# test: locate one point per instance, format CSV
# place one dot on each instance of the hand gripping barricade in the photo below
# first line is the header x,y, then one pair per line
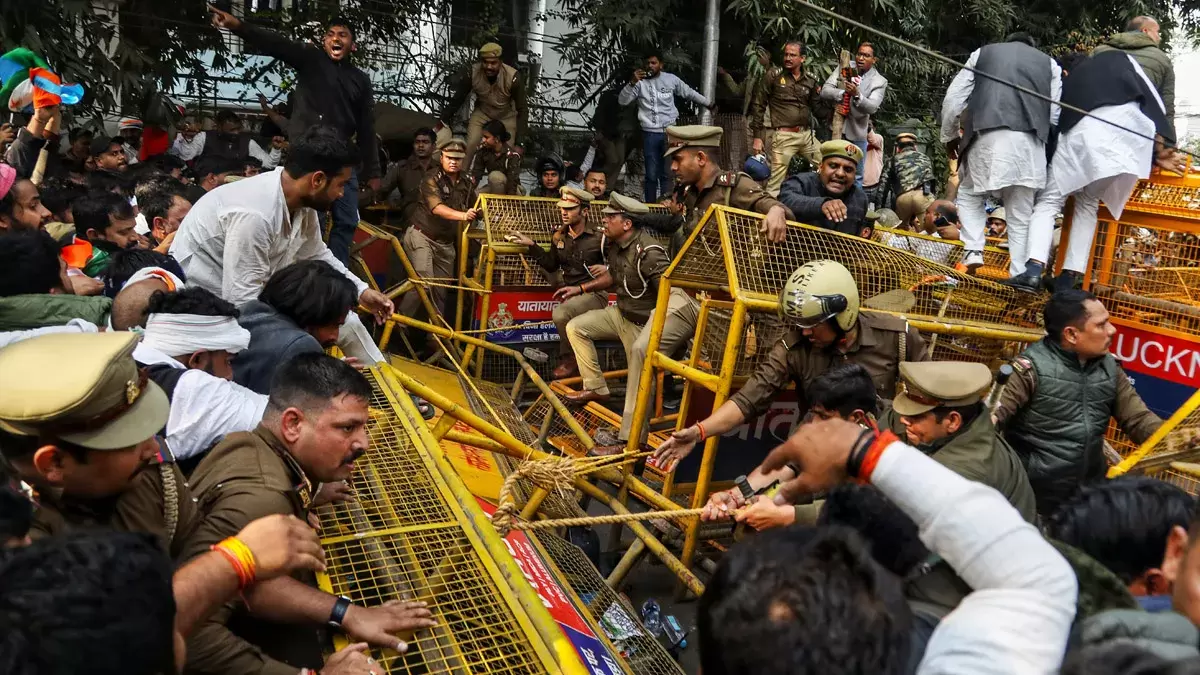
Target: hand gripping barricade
x,y
1145,268
737,277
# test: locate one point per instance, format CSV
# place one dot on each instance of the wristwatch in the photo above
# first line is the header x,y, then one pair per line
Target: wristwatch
x,y
338,615
743,486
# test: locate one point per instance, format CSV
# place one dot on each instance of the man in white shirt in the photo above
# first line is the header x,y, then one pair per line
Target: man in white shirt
x,y
240,234
186,348
777,605
1097,157
655,92
1003,140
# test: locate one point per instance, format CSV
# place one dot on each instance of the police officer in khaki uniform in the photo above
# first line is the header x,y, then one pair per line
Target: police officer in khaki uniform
x,y
692,150
407,175
447,199
791,95
575,251
941,412
636,262
821,300
499,95
313,430
78,422
497,161
102,409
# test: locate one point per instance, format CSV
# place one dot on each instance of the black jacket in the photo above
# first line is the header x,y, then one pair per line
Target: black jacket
x,y
328,92
804,194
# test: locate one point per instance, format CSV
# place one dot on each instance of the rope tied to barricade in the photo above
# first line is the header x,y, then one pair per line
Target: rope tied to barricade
x,y
558,475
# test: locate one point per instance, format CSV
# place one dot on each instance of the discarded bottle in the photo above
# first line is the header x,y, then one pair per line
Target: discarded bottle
x,y
652,618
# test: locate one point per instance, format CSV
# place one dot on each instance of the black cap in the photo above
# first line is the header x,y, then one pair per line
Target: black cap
x,y
100,144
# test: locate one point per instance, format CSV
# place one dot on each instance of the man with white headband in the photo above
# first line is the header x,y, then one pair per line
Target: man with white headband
x,y
190,338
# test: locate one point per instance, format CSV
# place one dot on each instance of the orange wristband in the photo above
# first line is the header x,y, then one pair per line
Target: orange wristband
x,y
703,434
873,454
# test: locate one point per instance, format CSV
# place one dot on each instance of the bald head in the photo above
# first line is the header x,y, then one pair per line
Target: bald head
x,y
129,307
1144,24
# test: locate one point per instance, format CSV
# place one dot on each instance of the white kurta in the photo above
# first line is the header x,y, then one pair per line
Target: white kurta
x,y
998,158
240,234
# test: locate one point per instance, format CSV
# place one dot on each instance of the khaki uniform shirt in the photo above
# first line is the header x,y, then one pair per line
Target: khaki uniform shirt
x,y
636,267
730,188
141,508
406,176
249,475
572,254
436,189
1130,411
793,359
790,99
507,162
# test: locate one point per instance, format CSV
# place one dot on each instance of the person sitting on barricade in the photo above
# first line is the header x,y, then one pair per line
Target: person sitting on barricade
x,y
821,301
575,251
1055,410
636,262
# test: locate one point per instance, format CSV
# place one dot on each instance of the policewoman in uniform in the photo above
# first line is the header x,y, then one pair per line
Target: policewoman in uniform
x,y
821,302
447,197
574,251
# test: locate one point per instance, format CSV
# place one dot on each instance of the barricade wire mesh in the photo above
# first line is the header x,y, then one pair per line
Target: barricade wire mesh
x,y
760,269
400,540
1177,441
943,252
644,654
1150,275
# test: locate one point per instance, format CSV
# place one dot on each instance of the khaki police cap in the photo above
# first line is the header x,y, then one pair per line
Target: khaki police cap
x,y
844,149
692,136
933,384
490,50
455,148
572,197
619,203
83,388
906,136
998,214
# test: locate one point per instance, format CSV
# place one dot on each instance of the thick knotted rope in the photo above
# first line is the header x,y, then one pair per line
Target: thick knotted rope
x,y
554,474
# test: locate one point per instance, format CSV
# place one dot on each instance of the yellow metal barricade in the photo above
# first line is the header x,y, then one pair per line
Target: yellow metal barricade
x,y
727,257
414,532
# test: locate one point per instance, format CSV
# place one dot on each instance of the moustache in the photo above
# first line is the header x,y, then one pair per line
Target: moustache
x,y
353,456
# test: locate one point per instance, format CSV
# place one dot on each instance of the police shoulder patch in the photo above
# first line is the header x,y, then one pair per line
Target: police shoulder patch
x,y
727,179
1022,364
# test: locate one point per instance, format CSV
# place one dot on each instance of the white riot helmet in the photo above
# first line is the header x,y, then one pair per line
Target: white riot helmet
x,y
819,291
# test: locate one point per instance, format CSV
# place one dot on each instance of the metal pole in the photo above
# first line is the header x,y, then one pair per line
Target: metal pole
x,y
708,75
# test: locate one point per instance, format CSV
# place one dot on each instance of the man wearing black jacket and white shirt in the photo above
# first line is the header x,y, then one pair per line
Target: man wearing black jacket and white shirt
x,y
330,91
1094,159
829,197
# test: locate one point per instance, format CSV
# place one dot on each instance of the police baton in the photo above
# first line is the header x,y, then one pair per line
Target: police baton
x,y
993,399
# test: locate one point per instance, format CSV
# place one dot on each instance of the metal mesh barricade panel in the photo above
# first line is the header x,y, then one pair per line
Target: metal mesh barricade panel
x,y
943,252
1178,441
1148,275
941,293
1165,199
761,333
645,656
401,540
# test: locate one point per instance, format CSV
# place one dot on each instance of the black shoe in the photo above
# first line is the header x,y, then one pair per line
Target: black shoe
x,y
1066,281
1024,282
